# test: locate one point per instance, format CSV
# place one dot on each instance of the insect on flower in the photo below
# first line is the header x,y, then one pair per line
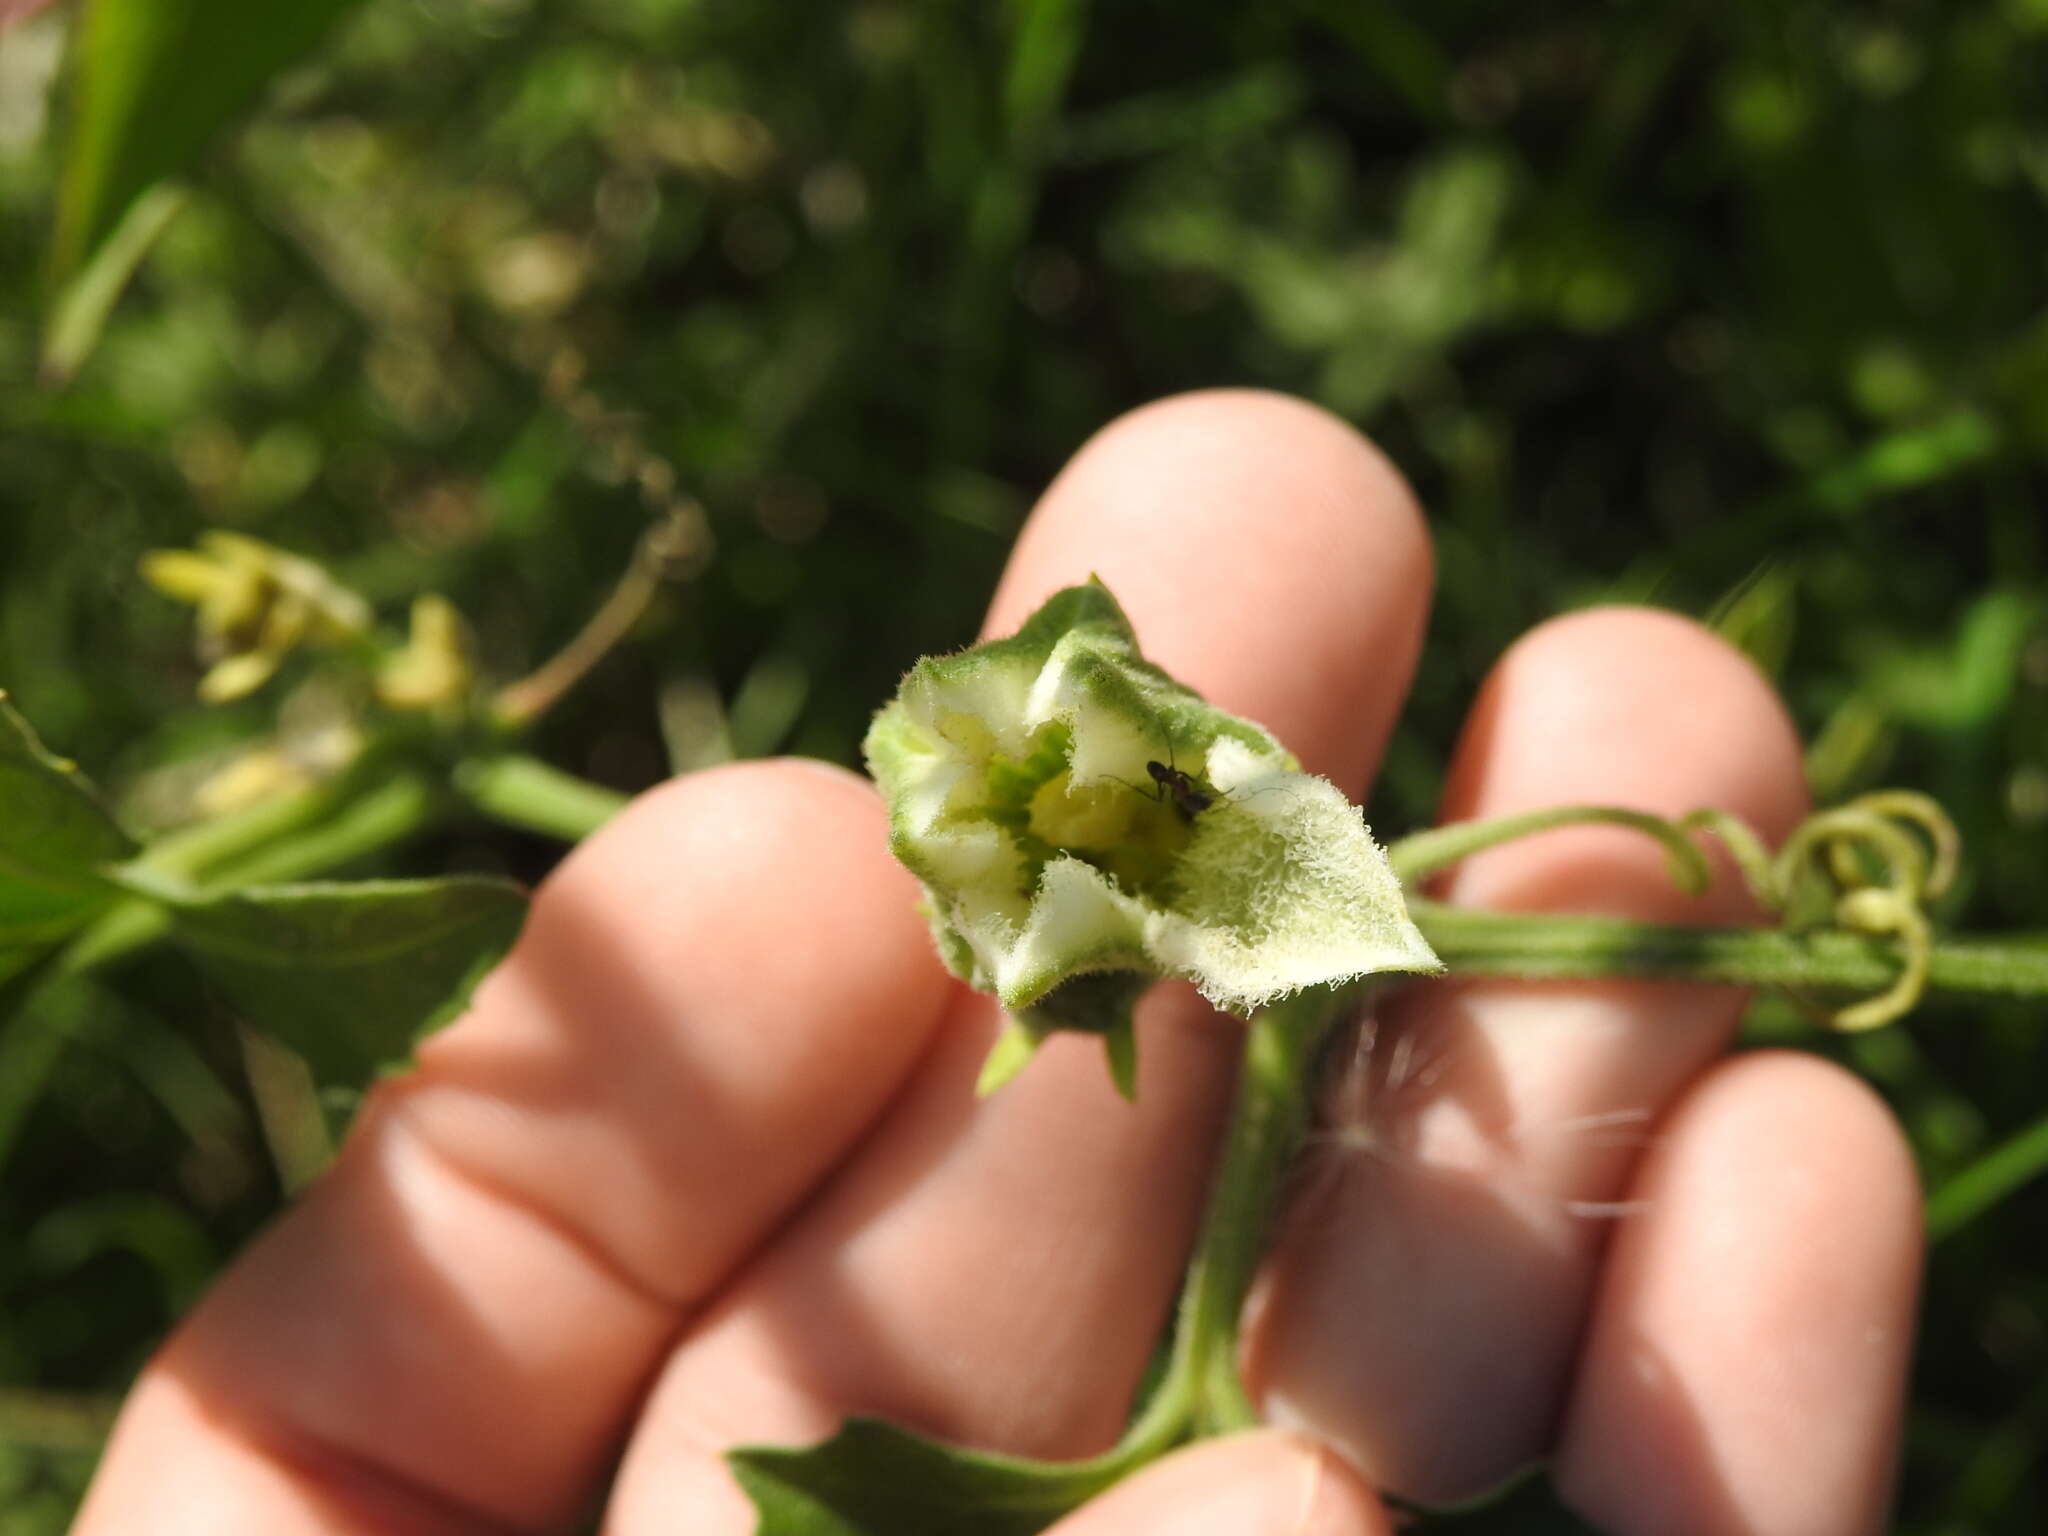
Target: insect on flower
x,y
1188,797
1187,794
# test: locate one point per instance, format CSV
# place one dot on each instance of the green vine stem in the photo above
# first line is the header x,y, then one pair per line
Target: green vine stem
x,y
1200,1394
1849,886
1532,946
290,838
525,792
1266,1128
1545,948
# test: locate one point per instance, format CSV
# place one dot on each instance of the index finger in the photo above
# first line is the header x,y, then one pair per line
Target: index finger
x,y
453,1329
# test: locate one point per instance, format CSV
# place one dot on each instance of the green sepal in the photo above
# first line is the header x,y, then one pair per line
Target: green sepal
x,y
1083,825
1121,1047
1016,1044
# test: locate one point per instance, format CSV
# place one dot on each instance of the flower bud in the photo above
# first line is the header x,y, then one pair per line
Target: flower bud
x,y
256,604
1082,825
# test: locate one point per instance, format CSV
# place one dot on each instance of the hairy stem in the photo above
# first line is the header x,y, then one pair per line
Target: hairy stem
x,y
1201,1390
1544,947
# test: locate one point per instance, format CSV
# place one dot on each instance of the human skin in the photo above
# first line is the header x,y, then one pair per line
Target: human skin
x,y
703,1165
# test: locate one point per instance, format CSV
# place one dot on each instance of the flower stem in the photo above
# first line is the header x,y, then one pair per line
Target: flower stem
x,y
1201,1391
523,791
660,551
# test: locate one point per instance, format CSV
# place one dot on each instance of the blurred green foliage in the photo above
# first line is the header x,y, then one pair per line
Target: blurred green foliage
x,y
1736,308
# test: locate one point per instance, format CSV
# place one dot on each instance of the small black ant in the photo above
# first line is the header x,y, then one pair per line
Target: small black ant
x,y
1188,797
1177,787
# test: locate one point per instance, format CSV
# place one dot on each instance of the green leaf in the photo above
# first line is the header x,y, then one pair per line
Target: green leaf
x,y
1969,681
352,975
1999,1173
154,81
80,310
55,840
873,1479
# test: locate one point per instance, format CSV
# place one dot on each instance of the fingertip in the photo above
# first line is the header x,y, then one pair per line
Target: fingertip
x,y
1745,1370
1336,1500
1629,706
716,825
1207,465
1268,554
1267,1483
757,874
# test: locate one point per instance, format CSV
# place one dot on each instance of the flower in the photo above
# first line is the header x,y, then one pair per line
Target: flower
x,y
256,604
433,671
1082,825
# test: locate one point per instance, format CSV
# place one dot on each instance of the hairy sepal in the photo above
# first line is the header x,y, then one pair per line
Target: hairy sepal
x,y
1072,811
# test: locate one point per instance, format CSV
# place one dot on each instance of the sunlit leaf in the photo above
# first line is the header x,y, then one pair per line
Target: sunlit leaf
x,y
154,81
352,975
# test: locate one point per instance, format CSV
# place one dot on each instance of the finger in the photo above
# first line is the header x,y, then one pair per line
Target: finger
x,y
1247,1485
996,1272
458,1321
1745,1370
1268,556
1427,1298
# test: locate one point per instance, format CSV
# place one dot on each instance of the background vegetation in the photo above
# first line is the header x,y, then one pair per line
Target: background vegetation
x,y
1737,308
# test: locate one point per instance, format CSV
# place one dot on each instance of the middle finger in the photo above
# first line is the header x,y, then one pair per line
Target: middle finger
x,y
996,1273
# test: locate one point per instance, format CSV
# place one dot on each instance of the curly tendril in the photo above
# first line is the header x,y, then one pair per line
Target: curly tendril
x,y
1867,867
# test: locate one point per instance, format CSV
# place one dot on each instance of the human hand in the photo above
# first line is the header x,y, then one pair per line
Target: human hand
x,y
703,1165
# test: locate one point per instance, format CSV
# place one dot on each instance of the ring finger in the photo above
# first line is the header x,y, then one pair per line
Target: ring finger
x,y
1426,1304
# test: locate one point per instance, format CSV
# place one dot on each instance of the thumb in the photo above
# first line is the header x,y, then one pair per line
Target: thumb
x,y
1263,1484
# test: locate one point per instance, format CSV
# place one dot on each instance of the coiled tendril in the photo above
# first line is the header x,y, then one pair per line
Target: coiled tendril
x,y
1867,867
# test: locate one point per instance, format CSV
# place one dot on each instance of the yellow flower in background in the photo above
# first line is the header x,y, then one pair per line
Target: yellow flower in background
x,y
433,671
256,604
